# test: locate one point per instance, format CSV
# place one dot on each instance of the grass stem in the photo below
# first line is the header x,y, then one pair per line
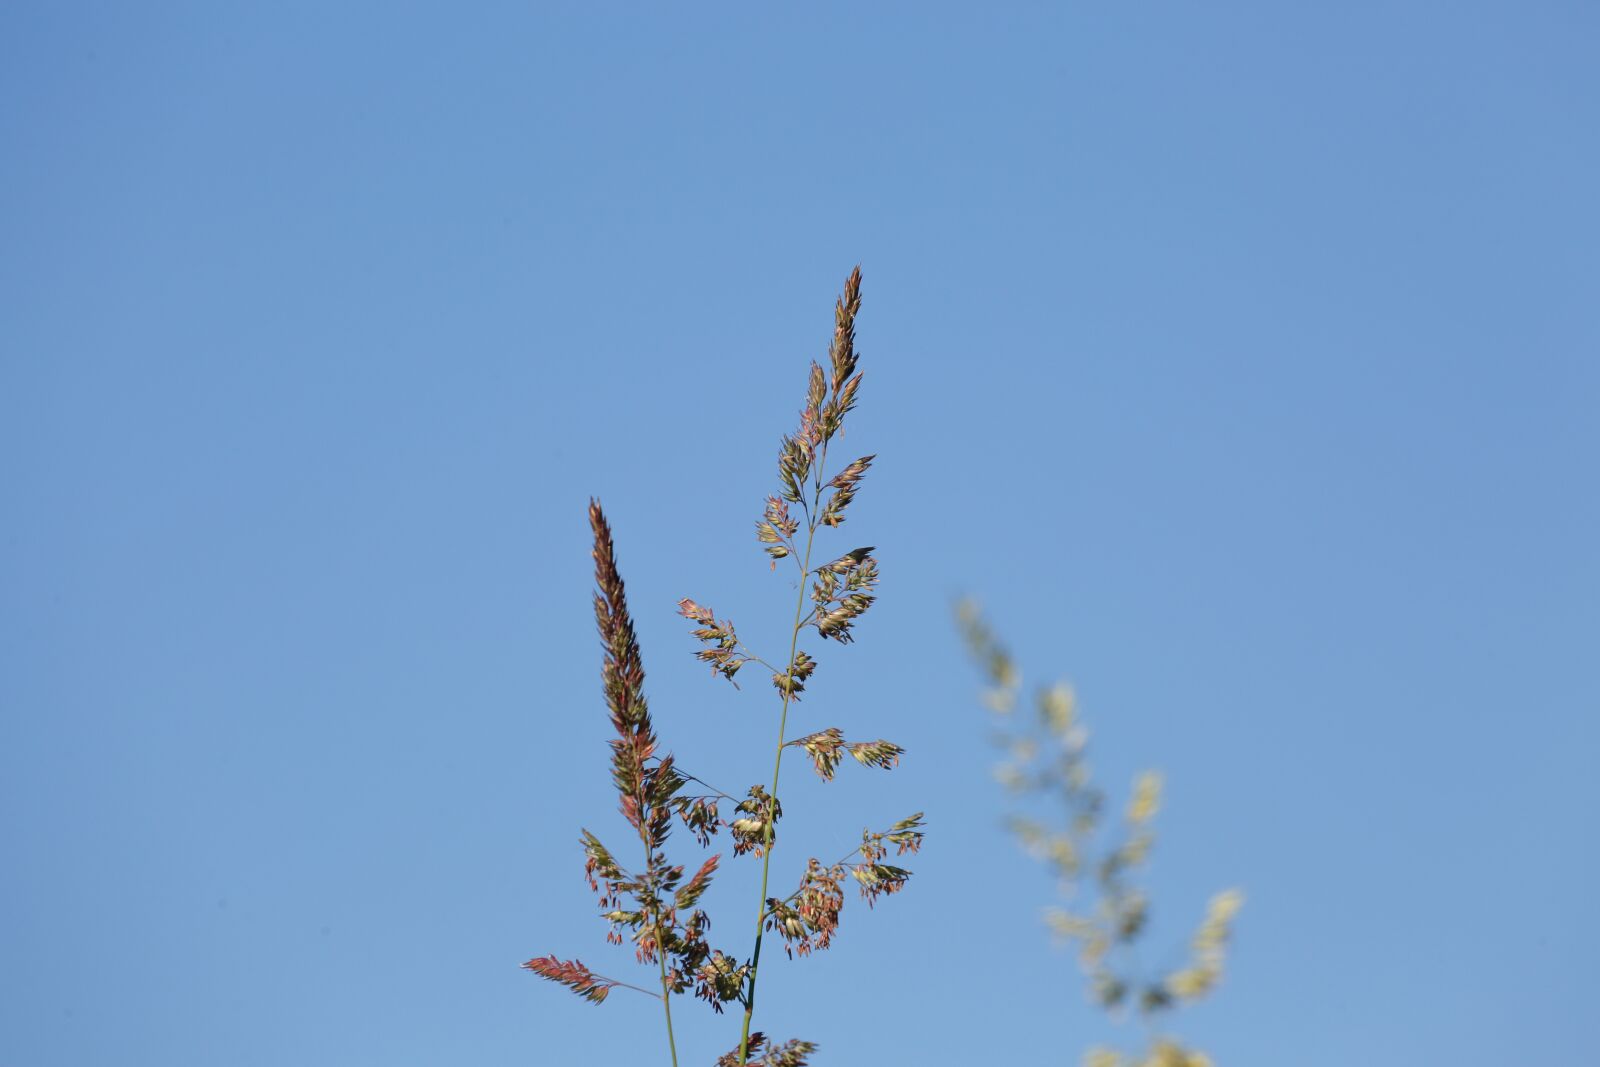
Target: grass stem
x,y
777,767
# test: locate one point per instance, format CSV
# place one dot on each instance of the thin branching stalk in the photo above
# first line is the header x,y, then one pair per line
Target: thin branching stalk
x,y
777,768
666,986
666,1005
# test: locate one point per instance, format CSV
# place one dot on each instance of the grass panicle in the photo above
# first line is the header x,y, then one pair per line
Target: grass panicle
x,y
654,905
1097,859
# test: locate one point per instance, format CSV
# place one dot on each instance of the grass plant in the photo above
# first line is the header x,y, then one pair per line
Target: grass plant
x,y
1098,860
655,905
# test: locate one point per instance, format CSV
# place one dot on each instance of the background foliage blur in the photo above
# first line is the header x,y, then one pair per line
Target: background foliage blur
x,y
1098,860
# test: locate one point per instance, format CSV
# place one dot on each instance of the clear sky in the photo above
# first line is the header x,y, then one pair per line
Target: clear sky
x,y
1242,358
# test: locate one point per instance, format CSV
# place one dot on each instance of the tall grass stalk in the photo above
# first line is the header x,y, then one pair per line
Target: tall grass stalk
x,y
777,762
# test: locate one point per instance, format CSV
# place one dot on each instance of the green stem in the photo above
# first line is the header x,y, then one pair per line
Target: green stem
x,y
777,766
661,948
666,993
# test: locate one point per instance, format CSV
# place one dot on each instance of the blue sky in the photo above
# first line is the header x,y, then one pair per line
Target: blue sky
x,y
1242,360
